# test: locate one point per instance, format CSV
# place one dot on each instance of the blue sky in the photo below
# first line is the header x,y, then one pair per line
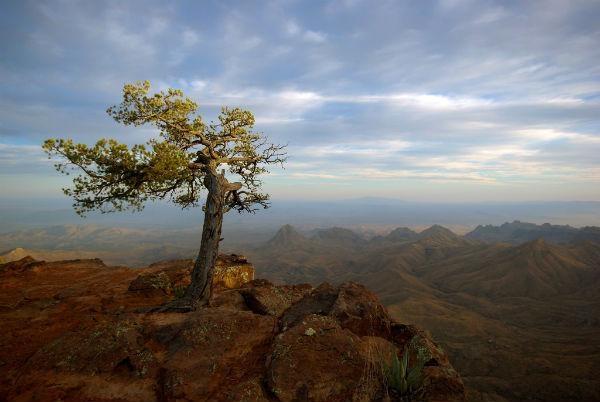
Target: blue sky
x,y
450,100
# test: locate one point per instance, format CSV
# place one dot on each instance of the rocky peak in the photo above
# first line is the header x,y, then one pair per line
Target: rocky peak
x,y
437,230
517,232
401,234
286,236
438,235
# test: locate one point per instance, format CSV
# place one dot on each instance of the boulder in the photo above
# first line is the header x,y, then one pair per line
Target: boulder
x,y
205,352
351,304
262,297
320,301
178,271
316,360
442,382
358,309
151,284
232,271
229,298
83,366
167,277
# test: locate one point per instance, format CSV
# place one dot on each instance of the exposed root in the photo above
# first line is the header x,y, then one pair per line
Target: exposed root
x,y
182,305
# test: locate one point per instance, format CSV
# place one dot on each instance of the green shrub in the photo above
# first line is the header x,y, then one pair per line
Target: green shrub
x,y
403,378
179,291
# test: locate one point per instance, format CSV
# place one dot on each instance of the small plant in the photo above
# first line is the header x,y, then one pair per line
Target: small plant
x,y
179,291
404,379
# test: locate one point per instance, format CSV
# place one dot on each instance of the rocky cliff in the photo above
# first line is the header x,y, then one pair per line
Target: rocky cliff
x,y
77,331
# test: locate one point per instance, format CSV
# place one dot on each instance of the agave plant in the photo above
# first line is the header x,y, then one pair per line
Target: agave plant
x,y
404,379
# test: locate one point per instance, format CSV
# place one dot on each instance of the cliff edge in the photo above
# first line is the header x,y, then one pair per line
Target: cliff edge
x,y
77,331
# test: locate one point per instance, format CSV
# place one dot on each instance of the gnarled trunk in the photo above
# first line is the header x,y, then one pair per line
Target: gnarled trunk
x,y
199,291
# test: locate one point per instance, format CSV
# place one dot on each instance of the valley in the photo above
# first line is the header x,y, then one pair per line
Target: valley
x,y
520,322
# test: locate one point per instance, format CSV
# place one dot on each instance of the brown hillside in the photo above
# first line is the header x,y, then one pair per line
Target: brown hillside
x,y
536,312
535,269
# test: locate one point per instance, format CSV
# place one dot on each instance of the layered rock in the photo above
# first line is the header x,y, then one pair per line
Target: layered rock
x,y
168,277
232,271
74,332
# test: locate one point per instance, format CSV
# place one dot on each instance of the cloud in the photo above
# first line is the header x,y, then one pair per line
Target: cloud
x,y
431,176
294,30
315,176
460,91
550,134
424,100
19,159
314,36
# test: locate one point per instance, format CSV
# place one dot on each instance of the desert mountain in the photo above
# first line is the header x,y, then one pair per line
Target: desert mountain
x,y
518,232
287,237
510,316
398,235
437,235
136,247
338,237
587,233
536,269
401,234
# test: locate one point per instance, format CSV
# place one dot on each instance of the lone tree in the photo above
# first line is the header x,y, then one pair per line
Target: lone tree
x,y
188,155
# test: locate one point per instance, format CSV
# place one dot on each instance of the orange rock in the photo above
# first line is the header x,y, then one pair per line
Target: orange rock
x,y
73,331
232,271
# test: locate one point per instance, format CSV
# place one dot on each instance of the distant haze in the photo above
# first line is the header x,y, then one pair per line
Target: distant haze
x,y
374,215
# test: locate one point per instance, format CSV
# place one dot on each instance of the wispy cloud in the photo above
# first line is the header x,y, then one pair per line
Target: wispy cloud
x,y
294,30
460,92
15,159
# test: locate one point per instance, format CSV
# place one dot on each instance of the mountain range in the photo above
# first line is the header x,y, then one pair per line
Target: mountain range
x,y
518,232
511,316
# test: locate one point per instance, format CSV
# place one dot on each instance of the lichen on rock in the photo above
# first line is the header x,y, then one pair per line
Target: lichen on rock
x,y
232,271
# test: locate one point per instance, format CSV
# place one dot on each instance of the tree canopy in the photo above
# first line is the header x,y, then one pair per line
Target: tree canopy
x,y
115,176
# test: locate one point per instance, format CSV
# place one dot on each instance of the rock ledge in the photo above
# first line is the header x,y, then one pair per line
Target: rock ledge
x,y
75,334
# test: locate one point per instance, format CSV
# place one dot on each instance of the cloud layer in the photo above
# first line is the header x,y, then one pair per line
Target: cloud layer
x,y
452,99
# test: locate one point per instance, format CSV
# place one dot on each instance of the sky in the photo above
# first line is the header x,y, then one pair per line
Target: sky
x,y
449,100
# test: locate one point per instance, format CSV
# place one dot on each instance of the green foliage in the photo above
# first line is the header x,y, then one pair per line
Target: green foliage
x,y
402,377
114,176
395,373
117,176
179,291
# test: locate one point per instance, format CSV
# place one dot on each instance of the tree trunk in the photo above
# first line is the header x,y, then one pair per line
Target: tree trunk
x,y
199,291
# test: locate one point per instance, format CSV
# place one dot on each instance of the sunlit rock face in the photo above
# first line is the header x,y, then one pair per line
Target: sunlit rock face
x,y
232,271
171,277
